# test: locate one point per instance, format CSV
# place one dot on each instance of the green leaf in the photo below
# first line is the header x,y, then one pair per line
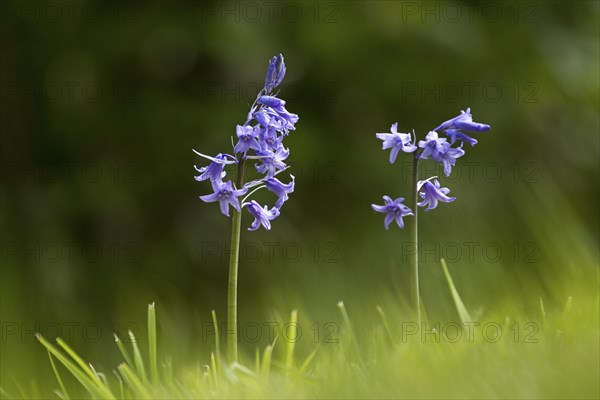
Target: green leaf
x,y
133,382
58,378
460,307
292,338
94,387
137,358
152,347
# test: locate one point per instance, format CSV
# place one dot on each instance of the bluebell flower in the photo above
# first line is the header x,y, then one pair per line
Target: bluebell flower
x,y
439,150
262,215
215,170
462,122
226,195
431,193
396,141
394,210
273,113
271,101
449,157
280,189
269,139
433,146
247,138
271,160
275,73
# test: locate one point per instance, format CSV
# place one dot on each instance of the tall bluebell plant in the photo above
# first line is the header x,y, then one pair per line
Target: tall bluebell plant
x,y
259,140
439,149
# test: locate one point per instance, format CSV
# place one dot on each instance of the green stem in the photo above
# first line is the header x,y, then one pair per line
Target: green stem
x,y
234,258
414,237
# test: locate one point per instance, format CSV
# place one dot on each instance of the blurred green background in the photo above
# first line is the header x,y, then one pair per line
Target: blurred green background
x,y
102,103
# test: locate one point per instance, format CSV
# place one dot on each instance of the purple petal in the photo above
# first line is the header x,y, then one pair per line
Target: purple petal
x,y
209,198
224,205
380,209
394,154
388,220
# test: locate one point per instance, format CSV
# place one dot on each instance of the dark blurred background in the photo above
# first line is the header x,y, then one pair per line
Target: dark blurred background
x,y
102,102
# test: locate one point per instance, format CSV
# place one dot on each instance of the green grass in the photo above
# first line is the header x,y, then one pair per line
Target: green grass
x,y
552,353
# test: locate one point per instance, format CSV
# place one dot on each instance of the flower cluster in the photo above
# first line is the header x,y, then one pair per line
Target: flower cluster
x,y
434,147
259,140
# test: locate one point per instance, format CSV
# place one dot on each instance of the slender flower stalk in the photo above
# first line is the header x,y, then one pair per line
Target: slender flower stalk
x,y
414,238
260,139
441,151
234,259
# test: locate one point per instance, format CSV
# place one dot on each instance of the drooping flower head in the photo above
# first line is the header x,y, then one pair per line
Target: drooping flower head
x,y
226,195
433,146
439,150
280,189
431,193
214,170
262,215
394,210
269,139
271,160
247,138
463,122
396,141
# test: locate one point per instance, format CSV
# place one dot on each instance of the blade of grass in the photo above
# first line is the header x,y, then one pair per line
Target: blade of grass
x,y
85,367
246,377
90,385
137,358
257,360
308,360
217,337
123,350
460,307
133,382
208,374
102,377
60,395
265,367
58,378
543,311
386,325
292,338
121,387
213,363
350,330
152,348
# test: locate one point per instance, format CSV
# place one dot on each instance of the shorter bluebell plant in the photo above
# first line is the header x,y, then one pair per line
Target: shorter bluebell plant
x,y
444,151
